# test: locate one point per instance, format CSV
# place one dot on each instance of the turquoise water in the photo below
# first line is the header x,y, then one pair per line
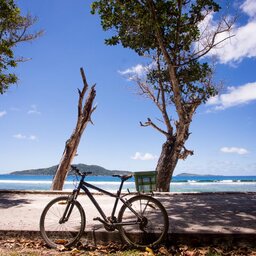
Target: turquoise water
x,y
178,184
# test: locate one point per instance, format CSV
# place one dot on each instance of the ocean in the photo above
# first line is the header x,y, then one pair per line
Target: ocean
x,y
178,184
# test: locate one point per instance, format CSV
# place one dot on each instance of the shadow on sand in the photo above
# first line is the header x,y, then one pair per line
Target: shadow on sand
x,y
210,212
10,200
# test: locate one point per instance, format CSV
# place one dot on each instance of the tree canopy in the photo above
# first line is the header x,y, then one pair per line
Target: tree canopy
x,y
13,30
175,35
168,31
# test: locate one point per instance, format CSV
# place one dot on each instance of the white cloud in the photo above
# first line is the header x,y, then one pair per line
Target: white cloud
x,y
3,113
32,137
33,110
143,157
138,71
234,150
242,44
249,7
235,96
19,136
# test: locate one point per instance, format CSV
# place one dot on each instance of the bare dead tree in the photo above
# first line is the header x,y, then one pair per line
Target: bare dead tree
x,y
85,110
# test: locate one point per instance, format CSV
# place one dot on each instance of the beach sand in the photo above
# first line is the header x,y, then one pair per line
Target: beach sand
x,y
191,215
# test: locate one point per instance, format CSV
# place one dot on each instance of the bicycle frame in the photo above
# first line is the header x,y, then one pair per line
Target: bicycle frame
x,y
141,220
85,185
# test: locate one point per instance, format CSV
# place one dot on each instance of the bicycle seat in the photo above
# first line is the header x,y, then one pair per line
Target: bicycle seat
x,y
122,177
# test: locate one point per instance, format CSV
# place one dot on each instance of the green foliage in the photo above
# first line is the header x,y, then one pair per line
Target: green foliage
x,y
13,30
144,25
95,169
170,33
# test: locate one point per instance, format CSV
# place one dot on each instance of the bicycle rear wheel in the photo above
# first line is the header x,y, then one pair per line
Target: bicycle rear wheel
x,y
56,232
150,228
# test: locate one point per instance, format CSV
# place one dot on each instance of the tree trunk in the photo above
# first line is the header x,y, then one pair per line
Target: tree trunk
x,y
166,165
172,150
84,116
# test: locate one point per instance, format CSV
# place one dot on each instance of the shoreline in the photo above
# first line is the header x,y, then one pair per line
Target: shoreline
x,y
191,184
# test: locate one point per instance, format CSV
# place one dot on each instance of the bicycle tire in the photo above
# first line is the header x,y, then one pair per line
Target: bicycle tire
x,y
156,222
68,233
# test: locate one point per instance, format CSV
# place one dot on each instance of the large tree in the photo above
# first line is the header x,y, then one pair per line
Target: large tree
x,y
14,29
175,35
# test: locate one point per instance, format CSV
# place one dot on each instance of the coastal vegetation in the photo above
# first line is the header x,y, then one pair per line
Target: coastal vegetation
x,y
174,36
95,169
14,29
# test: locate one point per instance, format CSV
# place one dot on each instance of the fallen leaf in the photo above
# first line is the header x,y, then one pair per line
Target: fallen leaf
x,y
60,241
150,251
61,248
75,251
163,251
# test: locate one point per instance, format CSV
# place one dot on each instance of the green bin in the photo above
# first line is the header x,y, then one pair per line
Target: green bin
x,y
145,181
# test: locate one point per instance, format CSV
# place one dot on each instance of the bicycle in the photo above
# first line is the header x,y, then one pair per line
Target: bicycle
x,y
142,220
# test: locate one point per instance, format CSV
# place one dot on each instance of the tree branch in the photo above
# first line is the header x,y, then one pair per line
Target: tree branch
x,y
185,153
87,110
82,93
145,89
173,78
210,39
163,109
150,123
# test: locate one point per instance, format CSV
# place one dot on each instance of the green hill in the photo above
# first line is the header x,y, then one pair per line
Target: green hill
x,y
95,169
187,174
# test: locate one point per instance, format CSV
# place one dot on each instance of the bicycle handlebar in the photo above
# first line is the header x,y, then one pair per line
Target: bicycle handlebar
x,y
122,177
74,168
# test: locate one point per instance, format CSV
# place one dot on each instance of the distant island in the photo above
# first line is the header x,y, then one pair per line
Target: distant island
x,y
193,174
95,169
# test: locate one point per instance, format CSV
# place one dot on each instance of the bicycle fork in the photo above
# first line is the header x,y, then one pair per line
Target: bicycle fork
x,y
69,207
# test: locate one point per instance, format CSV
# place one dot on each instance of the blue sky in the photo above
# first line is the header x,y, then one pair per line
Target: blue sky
x,y
38,115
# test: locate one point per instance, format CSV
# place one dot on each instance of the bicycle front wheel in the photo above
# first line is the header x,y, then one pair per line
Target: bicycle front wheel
x,y
149,227
62,222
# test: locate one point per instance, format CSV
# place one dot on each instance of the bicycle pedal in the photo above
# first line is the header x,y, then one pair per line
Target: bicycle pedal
x,y
99,219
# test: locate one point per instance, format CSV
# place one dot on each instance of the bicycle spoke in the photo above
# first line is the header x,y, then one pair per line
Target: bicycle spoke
x,y
142,221
150,228
70,230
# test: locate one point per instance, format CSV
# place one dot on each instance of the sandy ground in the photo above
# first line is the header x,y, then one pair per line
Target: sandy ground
x,y
209,213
